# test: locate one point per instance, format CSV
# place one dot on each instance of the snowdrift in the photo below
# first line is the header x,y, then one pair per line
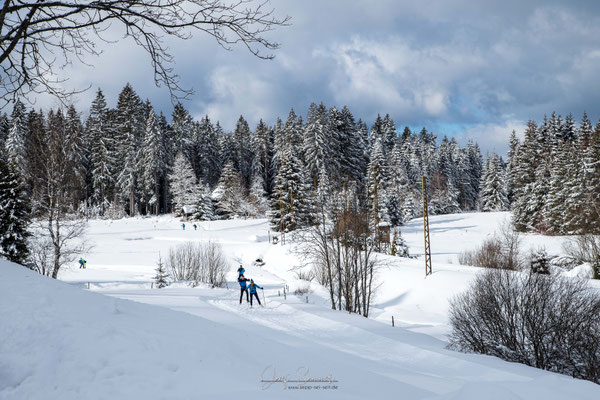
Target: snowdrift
x,y
61,342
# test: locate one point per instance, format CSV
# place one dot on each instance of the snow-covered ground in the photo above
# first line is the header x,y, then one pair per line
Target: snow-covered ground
x,y
61,342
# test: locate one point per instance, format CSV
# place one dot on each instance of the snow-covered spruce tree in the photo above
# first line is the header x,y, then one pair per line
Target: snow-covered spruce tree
x,y
399,187
399,247
525,207
243,156
317,141
493,192
389,135
204,206
290,208
376,186
592,179
229,194
443,197
14,216
100,143
208,152
182,126
160,279
510,166
128,146
258,197
15,142
353,158
4,128
262,145
154,156
182,184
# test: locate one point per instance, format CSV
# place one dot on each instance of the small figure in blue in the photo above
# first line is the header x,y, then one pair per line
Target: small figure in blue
x,y
252,288
183,226
242,281
241,270
82,263
195,227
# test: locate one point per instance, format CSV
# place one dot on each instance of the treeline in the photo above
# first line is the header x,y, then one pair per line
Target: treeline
x,y
130,160
553,177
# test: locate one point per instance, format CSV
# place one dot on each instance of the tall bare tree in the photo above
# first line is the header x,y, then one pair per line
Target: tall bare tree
x,y
38,37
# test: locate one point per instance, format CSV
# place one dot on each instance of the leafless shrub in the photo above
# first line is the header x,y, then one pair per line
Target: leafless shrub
x,y
302,290
198,262
547,322
41,255
307,275
501,251
585,248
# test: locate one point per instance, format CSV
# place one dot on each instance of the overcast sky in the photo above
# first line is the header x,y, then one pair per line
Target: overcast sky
x,y
470,69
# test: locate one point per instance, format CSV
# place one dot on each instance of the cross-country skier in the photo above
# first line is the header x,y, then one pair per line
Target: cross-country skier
x,y
82,263
183,226
241,271
242,281
195,227
252,288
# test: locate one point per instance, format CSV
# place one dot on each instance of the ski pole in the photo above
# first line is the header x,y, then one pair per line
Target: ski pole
x,y
264,298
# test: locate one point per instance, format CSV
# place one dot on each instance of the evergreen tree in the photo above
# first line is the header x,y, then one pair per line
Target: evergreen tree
x,y
263,147
317,141
183,184
289,201
101,159
204,207
14,216
182,126
4,128
377,183
258,197
160,279
243,157
15,142
493,193
153,161
130,130
513,150
229,193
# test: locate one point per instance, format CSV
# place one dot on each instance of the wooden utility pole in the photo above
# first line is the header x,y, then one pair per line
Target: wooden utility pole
x,y
426,230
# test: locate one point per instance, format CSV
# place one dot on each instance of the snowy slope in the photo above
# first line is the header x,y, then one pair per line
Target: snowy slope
x,y
59,341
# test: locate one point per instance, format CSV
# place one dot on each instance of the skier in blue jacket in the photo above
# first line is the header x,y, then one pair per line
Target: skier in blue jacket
x,y
252,288
241,270
242,281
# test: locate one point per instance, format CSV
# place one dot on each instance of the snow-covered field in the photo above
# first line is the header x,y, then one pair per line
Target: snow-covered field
x,y
62,341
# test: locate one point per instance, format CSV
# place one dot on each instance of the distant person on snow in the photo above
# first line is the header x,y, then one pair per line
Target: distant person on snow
x,y
82,263
252,287
241,271
183,226
242,281
195,227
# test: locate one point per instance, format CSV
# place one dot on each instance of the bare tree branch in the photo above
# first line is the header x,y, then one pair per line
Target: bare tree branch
x,y
35,35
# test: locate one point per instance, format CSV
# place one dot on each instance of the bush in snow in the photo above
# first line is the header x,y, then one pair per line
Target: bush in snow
x,y
543,321
198,262
585,248
501,251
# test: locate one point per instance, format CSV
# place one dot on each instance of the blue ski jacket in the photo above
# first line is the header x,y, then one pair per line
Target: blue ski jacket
x,y
242,283
241,271
253,287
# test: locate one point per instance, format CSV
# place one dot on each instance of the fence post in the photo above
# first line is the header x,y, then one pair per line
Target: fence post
x,y
306,299
392,321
